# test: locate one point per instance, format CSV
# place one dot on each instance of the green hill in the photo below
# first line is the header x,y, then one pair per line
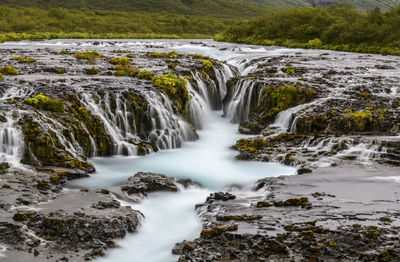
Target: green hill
x,y
362,5
215,8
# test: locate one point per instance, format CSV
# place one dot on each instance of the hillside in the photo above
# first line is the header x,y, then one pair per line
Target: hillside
x,y
361,5
215,8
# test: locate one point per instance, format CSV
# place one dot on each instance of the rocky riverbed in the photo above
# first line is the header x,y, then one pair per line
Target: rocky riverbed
x,y
334,116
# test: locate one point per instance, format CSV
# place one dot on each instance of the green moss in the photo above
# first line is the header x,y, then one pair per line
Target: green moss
x,y
1,77
45,103
120,73
27,60
157,54
171,66
263,204
145,75
132,71
92,71
252,145
284,97
88,55
175,87
174,54
22,216
9,70
290,70
61,71
217,230
65,52
207,65
122,60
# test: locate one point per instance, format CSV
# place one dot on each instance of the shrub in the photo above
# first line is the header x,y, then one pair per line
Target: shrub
x,y
43,102
9,70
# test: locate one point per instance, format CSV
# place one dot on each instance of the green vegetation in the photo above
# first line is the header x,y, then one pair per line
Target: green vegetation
x,y
60,71
1,76
88,55
362,5
215,8
146,75
290,70
336,28
27,60
38,24
123,61
9,70
175,87
282,98
207,65
43,102
93,71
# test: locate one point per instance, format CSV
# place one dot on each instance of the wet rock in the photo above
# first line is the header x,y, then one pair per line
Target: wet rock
x,y
149,182
105,205
188,182
224,196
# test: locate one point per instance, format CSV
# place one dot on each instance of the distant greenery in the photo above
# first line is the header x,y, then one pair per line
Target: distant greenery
x,y
336,28
64,23
215,8
361,5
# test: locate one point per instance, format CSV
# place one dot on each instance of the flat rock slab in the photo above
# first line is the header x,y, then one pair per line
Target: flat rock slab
x,y
143,183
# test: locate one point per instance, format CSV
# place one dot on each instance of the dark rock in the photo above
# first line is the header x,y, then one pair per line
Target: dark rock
x,y
149,182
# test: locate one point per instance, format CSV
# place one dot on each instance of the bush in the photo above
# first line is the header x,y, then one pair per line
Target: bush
x,y
43,102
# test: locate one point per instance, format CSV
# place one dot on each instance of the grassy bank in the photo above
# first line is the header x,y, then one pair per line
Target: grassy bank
x,y
4,37
336,28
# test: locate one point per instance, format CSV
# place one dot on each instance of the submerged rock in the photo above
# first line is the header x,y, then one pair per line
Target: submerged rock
x,y
149,182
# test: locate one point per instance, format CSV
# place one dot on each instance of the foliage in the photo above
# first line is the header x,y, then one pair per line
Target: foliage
x,y
337,28
175,87
215,8
24,59
38,24
43,102
9,70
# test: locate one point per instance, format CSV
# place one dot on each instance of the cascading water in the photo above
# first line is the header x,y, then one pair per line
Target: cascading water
x,y
10,140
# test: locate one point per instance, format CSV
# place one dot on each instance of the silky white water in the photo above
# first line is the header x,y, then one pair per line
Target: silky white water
x,y
170,217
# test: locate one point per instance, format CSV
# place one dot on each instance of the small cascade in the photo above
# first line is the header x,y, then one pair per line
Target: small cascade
x,y
245,97
11,141
284,121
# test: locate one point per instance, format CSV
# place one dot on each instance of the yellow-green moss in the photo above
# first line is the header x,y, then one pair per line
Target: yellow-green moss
x,y
43,102
145,75
60,71
24,59
9,70
88,55
92,71
175,87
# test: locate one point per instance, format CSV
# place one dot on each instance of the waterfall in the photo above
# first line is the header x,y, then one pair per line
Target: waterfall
x,y
239,107
10,140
